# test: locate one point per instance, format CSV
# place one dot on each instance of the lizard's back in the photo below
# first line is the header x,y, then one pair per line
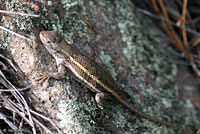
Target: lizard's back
x,y
91,71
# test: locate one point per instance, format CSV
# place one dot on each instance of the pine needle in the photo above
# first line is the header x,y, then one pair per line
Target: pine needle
x,y
18,13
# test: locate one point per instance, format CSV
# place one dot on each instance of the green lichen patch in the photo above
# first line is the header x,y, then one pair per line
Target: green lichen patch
x,y
107,60
77,117
20,24
145,50
70,24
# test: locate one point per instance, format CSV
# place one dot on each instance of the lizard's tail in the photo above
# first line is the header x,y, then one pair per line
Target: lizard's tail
x,y
151,118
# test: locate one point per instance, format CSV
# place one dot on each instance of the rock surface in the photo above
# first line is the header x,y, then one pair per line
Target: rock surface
x,y
127,43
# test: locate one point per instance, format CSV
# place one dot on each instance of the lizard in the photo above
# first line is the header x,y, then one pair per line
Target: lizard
x,y
93,75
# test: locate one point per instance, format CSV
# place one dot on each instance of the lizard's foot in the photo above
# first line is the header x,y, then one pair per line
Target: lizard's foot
x,y
100,99
43,78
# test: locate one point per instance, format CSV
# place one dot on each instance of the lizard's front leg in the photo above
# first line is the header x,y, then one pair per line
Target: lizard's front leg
x,y
61,70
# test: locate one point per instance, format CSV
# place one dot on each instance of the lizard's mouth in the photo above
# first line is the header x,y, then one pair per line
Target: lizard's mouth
x,y
48,37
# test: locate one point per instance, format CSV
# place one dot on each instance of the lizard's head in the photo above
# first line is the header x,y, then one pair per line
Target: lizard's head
x,y
50,39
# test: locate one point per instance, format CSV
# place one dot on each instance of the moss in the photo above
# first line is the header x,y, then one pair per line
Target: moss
x,y
22,24
145,51
107,60
77,117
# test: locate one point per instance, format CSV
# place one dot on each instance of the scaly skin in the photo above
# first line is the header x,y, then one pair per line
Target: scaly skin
x,y
97,78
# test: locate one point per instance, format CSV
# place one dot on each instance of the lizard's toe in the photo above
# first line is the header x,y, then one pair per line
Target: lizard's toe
x,y
43,78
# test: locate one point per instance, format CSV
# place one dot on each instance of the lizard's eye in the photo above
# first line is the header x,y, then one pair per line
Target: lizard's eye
x,y
54,40
48,41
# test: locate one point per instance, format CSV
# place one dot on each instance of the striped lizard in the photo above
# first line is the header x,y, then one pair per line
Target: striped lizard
x,y
96,78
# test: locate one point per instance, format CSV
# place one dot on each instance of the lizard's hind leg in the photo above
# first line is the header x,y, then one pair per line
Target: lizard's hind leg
x,y
101,98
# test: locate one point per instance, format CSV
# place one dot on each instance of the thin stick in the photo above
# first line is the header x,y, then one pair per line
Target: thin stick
x,y
46,118
10,124
184,33
20,98
43,126
14,33
196,42
155,6
12,106
164,19
13,90
18,13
